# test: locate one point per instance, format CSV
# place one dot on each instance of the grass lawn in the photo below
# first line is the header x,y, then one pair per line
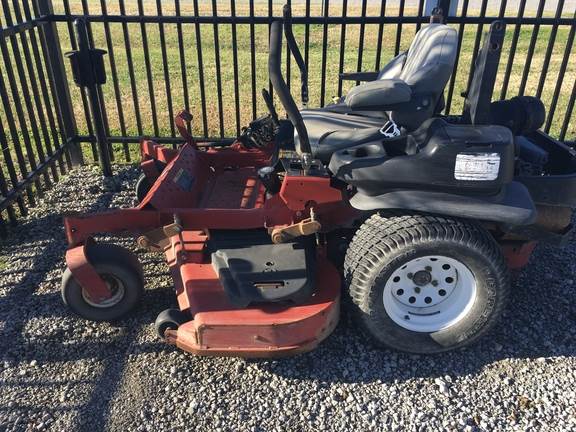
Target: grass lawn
x,y
229,102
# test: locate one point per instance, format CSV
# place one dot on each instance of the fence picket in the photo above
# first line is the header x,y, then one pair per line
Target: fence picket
x,y
42,140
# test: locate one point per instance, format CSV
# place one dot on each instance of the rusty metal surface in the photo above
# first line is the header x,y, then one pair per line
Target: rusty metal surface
x,y
517,255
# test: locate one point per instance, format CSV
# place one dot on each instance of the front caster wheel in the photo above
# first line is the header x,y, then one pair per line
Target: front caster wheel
x,y
121,272
142,187
422,283
169,319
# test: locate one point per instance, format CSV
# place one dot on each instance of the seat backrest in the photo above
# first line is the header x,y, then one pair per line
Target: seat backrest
x,y
427,69
431,58
393,68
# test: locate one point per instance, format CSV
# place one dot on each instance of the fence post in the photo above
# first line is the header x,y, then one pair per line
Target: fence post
x,y
51,45
89,73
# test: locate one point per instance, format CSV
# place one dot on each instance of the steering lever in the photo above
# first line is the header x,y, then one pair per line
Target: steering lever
x,y
270,105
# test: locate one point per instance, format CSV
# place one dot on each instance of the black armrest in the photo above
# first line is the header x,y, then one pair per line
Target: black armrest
x,y
381,95
359,76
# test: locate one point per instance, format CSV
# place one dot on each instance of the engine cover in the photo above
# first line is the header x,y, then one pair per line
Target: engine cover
x,y
438,156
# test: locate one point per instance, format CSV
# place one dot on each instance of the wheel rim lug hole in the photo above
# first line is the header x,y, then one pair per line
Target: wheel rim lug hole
x,y
429,288
429,293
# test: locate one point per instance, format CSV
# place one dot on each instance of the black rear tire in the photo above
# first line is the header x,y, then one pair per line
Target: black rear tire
x,y
142,187
120,269
387,241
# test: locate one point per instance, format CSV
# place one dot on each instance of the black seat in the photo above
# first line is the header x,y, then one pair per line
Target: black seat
x,y
411,96
391,70
324,130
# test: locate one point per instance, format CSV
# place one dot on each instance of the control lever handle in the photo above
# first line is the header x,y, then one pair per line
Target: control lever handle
x,y
270,105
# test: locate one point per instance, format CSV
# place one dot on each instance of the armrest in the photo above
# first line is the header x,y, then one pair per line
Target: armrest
x,y
381,95
358,76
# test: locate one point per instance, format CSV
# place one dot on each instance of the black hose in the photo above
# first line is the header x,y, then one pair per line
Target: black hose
x,y
275,74
296,53
270,105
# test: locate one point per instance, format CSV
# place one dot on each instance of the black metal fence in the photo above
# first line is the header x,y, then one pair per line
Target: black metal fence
x,y
210,58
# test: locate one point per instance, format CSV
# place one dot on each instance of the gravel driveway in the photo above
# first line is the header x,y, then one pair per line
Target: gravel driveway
x,y
59,372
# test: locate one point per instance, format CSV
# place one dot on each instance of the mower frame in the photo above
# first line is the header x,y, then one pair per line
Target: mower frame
x,y
222,190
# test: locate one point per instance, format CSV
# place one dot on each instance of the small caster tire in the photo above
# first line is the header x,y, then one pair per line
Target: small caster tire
x,y
120,270
169,319
142,187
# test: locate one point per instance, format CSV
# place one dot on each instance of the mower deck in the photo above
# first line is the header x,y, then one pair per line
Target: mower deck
x,y
239,188
196,194
260,330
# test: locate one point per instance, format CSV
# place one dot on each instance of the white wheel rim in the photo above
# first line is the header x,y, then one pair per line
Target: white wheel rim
x,y
429,294
116,287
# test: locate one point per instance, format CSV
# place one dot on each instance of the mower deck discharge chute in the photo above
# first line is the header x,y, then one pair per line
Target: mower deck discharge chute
x,y
433,211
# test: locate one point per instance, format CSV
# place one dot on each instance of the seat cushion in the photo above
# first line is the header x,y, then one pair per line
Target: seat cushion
x,y
341,107
321,123
381,95
345,139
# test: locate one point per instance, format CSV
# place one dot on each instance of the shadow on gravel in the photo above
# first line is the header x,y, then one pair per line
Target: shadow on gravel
x,y
43,246
114,355
33,232
539,323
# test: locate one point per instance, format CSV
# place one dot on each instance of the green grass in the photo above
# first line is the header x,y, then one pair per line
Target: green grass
x,y
261,44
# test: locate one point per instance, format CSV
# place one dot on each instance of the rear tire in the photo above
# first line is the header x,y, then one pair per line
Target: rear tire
x,y
423,283
120,270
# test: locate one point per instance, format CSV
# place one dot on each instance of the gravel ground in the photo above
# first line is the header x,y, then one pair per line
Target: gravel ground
x,y
59,372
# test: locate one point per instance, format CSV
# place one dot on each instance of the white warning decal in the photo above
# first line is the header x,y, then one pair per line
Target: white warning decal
x,y
477,166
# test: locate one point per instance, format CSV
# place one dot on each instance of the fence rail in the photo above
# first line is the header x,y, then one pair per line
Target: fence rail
x,y
209,57
149,19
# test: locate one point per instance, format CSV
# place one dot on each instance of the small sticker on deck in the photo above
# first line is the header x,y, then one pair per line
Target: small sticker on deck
x,y
184,180
477,166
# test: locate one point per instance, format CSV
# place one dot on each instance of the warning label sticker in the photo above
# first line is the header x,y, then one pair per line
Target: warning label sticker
x,y
477,166
184,180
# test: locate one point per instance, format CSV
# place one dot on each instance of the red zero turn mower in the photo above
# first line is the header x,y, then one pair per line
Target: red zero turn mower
x,y
438,210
